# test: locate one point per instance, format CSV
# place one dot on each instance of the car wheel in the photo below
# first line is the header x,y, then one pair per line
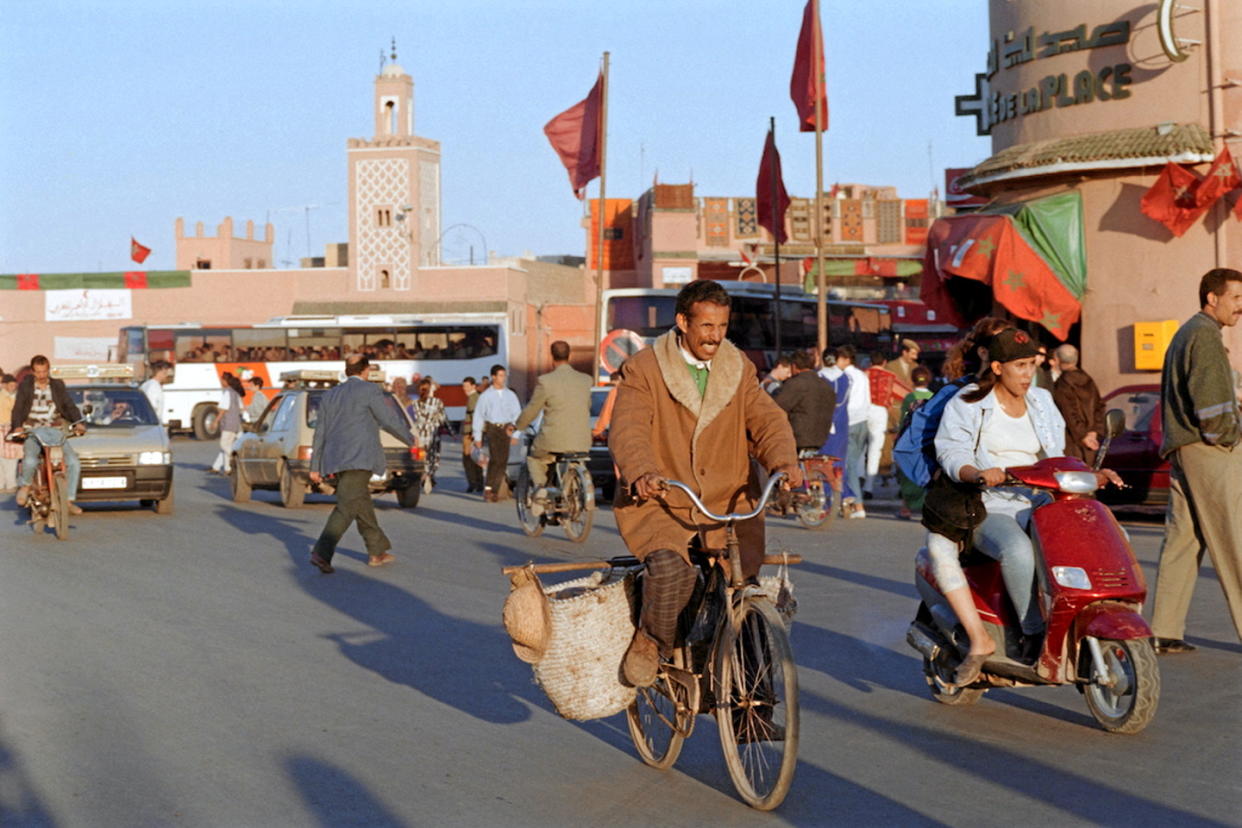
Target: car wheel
x,y
292,490
165,506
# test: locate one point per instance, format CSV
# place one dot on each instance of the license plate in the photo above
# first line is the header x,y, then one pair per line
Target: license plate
x,y
104,482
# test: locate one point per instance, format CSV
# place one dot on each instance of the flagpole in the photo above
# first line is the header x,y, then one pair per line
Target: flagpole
x,y
821,300
777,227
599,250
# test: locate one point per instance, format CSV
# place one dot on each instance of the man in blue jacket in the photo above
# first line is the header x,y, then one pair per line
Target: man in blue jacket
x,y
347,444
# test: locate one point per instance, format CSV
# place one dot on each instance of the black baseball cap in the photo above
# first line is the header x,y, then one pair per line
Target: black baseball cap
x,y
1011,344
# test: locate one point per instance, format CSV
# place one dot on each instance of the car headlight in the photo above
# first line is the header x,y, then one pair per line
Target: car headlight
x,y
154,458
1074,577
1077,482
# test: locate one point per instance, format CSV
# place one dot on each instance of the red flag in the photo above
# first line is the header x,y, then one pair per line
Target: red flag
x,y
137,252
808,67
1171,200
28,281
1221,177
771,199
136,278
575,137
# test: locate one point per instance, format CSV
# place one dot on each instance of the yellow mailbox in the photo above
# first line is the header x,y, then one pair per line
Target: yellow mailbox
x,y
1151,340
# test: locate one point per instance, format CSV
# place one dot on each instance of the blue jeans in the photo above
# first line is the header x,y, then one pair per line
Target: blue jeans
x,y
1002,539
34,448
855,460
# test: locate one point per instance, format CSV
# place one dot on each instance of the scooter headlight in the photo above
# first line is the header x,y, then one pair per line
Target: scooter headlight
x,y
1077,482
1074,577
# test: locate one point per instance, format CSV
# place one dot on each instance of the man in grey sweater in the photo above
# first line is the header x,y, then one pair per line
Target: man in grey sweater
x,y
1202,436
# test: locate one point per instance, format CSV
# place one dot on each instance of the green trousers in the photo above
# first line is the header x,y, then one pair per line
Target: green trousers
x,y
353,503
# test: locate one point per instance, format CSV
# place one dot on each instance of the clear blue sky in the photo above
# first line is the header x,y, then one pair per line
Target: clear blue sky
x,y
120,116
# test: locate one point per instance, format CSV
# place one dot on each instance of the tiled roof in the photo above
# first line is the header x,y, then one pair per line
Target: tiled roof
x,y
1118,148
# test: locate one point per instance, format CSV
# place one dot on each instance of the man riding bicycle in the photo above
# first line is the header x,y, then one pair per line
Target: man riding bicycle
x,y
690,408
44,403
563,397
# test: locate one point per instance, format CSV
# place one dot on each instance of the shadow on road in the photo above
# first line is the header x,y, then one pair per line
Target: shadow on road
x,y
334,797
856,663
20,803
905,589
1091,799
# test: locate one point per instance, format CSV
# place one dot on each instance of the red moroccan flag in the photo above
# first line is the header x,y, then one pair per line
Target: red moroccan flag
x,y
575,135
1221,177
1171,200
808,67
136,279
770,197
137,252
28,281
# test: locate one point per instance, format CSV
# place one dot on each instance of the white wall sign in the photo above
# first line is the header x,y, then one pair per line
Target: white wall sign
x,y
85,348
676,275
85,304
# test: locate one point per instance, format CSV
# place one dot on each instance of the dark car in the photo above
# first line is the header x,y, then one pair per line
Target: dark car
x,y
1135,453
600,465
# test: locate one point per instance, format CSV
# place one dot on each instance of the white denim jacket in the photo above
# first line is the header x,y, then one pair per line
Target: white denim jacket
x,y
959,443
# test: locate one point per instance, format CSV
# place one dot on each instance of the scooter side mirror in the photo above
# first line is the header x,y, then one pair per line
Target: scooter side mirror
x,y
1115,420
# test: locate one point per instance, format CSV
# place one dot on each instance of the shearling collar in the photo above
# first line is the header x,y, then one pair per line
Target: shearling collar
x,y
726,375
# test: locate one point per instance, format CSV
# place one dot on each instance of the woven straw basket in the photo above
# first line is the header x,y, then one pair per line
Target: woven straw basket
x,y
592,624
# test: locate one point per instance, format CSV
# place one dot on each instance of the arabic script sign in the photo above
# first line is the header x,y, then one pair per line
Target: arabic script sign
x,y
86,304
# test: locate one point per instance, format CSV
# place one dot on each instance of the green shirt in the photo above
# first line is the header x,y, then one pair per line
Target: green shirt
x,y
700,377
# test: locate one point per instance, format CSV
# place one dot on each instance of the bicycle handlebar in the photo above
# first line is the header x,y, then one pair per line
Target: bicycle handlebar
x,y
731,518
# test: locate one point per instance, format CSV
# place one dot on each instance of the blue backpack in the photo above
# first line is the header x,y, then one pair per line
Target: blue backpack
x,y
914,452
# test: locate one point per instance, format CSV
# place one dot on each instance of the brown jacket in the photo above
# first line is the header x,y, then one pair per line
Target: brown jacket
x,y
660,425
1079,402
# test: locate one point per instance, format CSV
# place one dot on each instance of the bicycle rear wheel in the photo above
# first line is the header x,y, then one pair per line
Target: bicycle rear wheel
x,y
660,718
579,496
757,705
523,496
59,511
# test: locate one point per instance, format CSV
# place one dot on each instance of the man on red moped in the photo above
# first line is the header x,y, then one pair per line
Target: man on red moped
x,y
43,406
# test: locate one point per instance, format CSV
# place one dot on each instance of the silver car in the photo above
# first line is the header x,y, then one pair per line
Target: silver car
x,y
125,452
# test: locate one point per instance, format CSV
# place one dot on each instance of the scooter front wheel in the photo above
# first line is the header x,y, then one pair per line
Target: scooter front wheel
x,y
1128,704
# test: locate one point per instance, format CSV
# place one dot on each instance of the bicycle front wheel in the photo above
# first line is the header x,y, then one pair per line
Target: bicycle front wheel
x,y
660,719
60,507
523,496
579,496
757,704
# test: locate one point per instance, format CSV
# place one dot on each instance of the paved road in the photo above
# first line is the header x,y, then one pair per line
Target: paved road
x,y
195,670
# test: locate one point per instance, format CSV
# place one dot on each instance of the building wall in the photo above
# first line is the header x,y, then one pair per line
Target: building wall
x,y
224,251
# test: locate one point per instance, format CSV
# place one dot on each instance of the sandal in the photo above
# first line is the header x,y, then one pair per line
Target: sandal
x,y
968,671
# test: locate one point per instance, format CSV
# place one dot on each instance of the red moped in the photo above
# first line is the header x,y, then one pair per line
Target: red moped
x,y
1091,591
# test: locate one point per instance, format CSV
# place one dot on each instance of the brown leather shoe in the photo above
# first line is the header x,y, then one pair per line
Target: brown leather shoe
x,y
489,496
642,660
321,564
381,559
22,494
75,509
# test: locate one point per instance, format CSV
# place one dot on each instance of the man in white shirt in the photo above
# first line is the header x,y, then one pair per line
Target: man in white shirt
x,y
858,405
161,372
494,416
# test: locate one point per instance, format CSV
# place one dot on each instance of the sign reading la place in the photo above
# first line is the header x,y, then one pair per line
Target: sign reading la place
x,y
992,106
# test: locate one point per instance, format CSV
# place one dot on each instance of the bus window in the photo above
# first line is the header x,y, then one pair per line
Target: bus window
x,y
259,344
314,344
203,346
751,323
645,315
376,343
799,325
160,345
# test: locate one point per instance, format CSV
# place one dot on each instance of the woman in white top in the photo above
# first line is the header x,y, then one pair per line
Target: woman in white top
x,y
1002,421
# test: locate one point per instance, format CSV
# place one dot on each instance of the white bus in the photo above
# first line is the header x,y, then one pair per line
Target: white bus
x,y
445,347
633,317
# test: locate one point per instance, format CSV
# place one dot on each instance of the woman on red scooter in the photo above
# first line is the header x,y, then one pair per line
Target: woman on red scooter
x,y
1003,420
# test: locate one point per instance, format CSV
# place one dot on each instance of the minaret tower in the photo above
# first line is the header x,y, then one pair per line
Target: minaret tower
x,y
394,191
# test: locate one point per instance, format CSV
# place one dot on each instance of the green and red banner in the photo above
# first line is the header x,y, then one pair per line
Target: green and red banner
x,y
135,279
990,249
859,266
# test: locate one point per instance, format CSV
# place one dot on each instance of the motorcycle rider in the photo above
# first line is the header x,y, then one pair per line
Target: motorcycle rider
x,y
44,403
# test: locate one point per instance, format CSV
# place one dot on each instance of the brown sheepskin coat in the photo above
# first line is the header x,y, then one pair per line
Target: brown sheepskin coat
x,y
661,425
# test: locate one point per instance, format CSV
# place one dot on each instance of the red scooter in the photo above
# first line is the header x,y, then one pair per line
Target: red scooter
x,y
1090,592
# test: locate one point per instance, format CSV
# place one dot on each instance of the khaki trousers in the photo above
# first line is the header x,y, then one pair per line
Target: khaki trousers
x,y
1205,514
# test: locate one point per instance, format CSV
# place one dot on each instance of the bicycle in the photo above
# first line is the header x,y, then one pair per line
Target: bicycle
x,y
818,500
49,496
567,500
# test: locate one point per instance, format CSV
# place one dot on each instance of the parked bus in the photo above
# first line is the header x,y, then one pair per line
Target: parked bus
x,y
445,347
633,317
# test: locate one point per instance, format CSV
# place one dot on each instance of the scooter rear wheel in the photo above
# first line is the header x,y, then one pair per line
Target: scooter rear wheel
x,y
1130,704
939,677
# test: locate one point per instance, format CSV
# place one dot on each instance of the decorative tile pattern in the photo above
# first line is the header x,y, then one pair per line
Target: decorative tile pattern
x,y
381,181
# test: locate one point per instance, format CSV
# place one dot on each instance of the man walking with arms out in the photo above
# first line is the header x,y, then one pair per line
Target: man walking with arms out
x,y
689,408
1201,437
563,396
347,444
494,415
